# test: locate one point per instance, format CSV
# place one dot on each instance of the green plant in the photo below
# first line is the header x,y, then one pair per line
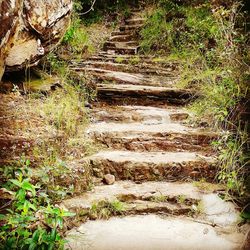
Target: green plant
x,y
30,222
181,199
119,59
210,43
104,209
134,60
198,209
64,109
159,198
233,161
77,38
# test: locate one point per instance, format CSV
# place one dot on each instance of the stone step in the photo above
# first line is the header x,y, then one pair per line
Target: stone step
x,y
111,44
152,232
133,137
136,60
123,33
148,166
139,128
128,191
121,78
129,114
122,38
123,50
151,196
135,21
166,94
131,27
145,142
122,67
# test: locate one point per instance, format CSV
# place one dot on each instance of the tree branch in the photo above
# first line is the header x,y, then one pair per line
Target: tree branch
x,y
91,8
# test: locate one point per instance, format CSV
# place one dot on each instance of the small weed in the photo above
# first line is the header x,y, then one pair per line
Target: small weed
x,y
119,59
199,208
203,185
105,209
159,198
181,199
134,60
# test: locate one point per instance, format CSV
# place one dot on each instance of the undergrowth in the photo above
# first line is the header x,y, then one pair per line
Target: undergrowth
x,y
210,42
29,220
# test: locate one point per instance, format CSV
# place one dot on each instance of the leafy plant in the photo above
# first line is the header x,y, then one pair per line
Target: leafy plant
x,y
233,160
30,222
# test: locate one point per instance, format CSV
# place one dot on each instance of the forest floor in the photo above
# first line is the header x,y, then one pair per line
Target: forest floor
x,y
154,172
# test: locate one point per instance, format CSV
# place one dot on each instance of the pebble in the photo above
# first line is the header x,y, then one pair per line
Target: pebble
x,y
109,179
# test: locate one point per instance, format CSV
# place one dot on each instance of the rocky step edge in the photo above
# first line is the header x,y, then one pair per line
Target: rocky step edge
x,y
145,114
140,92
135,21
133,27
129,67
149,166
199,201
107,77
103,55
133,50
123,37
146,141
112,44
138,128
124,32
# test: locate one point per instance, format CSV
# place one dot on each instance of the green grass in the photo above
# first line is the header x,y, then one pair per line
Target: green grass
x,y
104,209
214,60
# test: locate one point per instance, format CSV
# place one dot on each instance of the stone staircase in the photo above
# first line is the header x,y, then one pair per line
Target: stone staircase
x,y
164,169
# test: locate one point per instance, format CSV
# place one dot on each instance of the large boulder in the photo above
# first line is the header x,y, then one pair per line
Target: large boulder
x,y
29,30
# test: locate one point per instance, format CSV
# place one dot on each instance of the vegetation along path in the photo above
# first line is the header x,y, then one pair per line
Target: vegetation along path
x,y
158,171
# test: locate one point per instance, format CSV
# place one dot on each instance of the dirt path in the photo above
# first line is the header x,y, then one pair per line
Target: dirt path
x,y
164,169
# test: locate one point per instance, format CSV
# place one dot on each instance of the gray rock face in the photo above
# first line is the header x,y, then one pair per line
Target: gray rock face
x,y
30,29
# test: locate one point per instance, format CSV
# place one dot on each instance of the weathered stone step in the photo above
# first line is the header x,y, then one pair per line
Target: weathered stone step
x,y
110,44
122,38
138,58
131,27
138,141
122,67
128,78
152,232
122,33
209,217
139,128
135,21
148,166
128,191
128,114
170,95
123,50
150,197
